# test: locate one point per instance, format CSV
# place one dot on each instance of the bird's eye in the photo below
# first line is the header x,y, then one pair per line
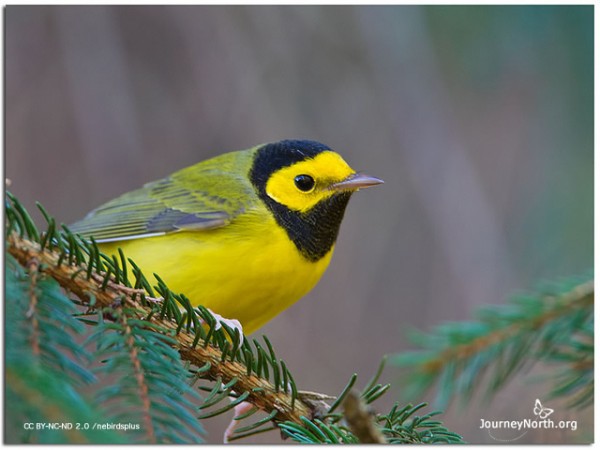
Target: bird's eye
x,y
304,182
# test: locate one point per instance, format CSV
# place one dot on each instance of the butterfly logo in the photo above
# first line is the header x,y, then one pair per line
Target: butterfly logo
x,y
540,410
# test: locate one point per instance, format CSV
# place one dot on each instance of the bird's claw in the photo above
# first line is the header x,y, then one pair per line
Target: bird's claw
x,y
234,324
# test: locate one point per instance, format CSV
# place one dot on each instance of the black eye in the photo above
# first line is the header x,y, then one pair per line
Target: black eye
x,y
304,182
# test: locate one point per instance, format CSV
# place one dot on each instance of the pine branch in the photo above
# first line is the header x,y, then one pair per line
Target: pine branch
x,y
360,421
98,281
72,278
37,396
143,332
359,424
148,371
554,325
31,312
139,376
43,364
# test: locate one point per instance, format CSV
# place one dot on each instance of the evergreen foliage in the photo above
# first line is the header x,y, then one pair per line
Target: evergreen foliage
x,y
45,364
91,345
553,325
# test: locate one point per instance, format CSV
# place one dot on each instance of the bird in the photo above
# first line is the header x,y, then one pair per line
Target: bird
x,y
245,234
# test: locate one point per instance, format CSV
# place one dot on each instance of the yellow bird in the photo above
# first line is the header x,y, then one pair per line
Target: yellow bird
x,y
245,234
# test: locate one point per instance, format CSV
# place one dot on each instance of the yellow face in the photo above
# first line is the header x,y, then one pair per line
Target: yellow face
x,y
304,184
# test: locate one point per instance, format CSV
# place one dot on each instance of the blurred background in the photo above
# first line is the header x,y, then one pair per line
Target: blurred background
x,y
479,119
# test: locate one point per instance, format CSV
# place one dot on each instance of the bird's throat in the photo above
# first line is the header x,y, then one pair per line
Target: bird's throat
x,y
313,232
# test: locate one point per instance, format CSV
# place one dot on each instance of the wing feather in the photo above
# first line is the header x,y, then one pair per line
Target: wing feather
x,y
205,196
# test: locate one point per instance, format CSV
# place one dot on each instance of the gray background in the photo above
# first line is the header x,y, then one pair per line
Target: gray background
x,y
479,119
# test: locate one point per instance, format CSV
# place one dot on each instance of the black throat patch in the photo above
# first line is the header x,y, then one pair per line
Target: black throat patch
x,y
313,232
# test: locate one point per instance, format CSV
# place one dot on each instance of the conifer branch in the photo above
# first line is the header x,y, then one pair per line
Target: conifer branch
x,y
142,338
553,325
262,393
361,421
140,379
33,267
49,411
582,296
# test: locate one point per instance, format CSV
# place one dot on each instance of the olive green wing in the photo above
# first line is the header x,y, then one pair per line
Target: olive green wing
x,y
205,196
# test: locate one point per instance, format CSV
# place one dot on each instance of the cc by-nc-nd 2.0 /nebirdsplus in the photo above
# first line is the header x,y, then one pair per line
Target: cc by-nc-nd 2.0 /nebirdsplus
x,y
245,234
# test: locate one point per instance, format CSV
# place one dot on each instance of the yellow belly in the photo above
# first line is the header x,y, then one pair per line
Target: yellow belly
x,y
251,277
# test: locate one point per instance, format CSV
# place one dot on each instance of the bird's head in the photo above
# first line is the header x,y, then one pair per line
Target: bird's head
x,y
307,187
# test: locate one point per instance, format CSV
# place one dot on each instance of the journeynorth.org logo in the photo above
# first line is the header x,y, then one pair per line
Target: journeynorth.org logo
x,y
522,426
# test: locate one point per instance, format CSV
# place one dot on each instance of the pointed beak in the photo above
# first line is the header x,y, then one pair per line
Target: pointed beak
x,y
356,181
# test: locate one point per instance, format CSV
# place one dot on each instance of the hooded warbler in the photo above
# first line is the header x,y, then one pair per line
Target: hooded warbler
x,y
245,234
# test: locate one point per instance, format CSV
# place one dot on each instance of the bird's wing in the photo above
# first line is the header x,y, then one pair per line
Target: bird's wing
x,y
201,197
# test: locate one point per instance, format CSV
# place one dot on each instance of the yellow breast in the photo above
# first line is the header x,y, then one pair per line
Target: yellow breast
x,y
248,270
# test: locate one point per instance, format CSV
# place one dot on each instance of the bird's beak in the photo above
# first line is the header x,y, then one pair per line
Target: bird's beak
x,y
356,181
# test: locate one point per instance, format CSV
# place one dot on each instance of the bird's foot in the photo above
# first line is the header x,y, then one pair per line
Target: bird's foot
x,y
234,324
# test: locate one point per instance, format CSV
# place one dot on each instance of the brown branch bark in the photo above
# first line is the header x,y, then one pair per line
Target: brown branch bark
x,y
361,421
33,267
140,379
